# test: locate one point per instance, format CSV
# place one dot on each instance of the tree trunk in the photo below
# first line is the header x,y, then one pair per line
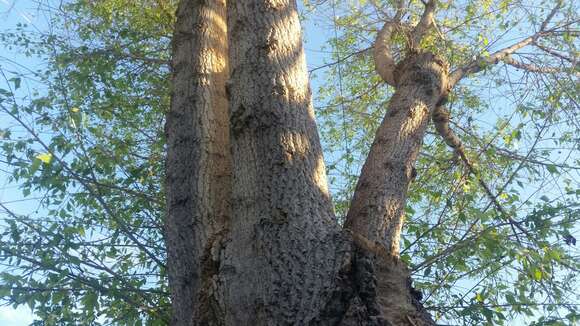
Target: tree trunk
x,y
198,164
377,209
281,259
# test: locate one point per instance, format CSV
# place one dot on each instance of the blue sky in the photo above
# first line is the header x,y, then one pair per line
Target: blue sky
x,y
15,317
11,13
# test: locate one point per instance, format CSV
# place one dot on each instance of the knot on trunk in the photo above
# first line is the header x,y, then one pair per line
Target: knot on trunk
x,y
426,71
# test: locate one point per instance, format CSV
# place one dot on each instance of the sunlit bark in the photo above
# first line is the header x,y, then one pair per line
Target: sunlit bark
x,y
198,157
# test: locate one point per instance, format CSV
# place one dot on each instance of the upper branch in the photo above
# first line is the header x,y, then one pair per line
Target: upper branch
x,y
554,52
427,20
501,55
535,68
384,62
479,65
399,9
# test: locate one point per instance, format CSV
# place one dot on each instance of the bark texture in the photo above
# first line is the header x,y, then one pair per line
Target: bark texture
x,y
377,208
252,237
284,251
198,180
250,232
376,213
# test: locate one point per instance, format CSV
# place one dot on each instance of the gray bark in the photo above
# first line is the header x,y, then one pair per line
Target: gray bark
x,y
198,163
283,253
377,208
252,237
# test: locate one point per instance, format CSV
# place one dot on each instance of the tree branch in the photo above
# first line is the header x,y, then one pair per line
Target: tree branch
x,y
553,52
534,68
384,62
340,60
427,20
479,64
122,225
399,9
83,279
440,119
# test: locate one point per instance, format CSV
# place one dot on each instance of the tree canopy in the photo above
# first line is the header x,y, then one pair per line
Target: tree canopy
x,y
82,138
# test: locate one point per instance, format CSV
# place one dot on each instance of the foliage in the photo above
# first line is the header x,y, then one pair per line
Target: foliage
x,y
85,141
87,144
520,129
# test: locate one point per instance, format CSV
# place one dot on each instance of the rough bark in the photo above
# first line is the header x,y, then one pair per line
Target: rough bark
x,y
250,232
198,163
285,249
377,208
382,290
376,213
260,245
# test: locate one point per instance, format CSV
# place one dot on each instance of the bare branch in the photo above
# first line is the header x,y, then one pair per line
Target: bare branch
x,y
534,68
479,65
384,62
551,15
399,9
379,9
553,52
440,119
340,60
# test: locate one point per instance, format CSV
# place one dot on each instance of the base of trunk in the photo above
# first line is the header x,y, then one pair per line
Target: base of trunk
x,y
374,289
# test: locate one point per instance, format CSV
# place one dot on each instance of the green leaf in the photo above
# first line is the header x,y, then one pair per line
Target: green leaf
x,y
510,298
479,297
44,157
35,165
90,301
537,274
4,291
5,93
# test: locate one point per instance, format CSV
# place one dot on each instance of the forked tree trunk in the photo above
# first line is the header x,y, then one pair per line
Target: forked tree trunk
x,y
281,259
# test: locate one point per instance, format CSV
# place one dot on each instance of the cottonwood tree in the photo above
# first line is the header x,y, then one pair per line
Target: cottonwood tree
x,y
252,235
271,251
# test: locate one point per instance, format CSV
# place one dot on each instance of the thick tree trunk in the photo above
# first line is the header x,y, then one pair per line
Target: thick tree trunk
x,y
282,258
198,156
263,247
